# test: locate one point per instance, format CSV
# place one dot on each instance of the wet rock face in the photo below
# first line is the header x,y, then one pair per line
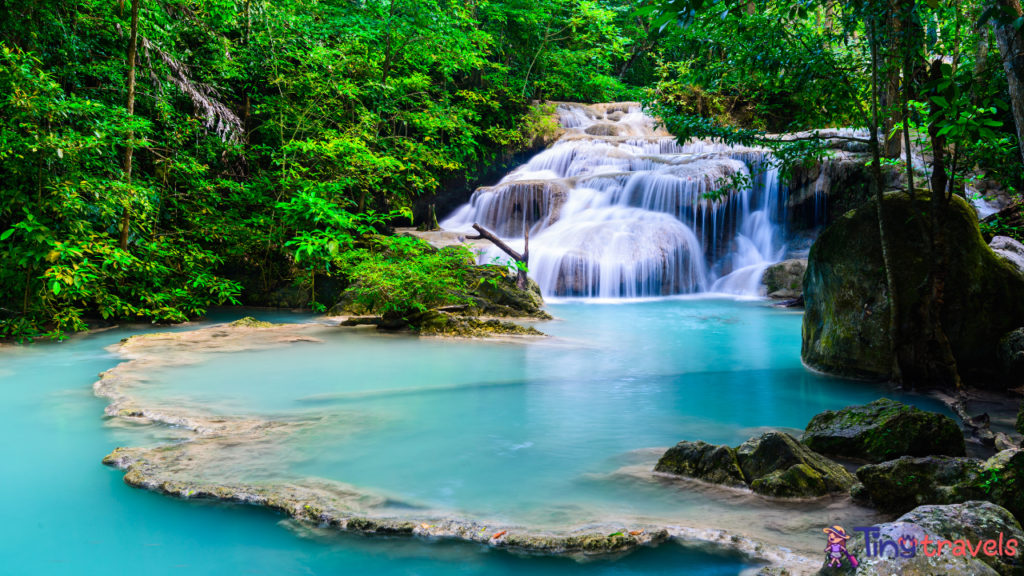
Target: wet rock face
x,y
603,129
1019,426
702,461
900,485
1010,250
775,465
845,327
883,430
1011,355
782,467
970,522
785,279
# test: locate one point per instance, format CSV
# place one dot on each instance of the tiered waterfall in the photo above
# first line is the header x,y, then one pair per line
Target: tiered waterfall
x,y
618,209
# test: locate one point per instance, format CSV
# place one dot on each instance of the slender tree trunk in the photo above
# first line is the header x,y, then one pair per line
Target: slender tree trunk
x,y
879,183
132,49
1011,49
890,96
942,364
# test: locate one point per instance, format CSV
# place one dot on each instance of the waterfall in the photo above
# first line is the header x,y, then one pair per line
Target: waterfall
x,y
619,209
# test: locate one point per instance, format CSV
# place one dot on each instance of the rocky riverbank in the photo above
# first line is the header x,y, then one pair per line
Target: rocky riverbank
x,y
919,470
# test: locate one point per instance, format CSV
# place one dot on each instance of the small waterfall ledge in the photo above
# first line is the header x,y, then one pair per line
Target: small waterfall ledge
x,y
619,209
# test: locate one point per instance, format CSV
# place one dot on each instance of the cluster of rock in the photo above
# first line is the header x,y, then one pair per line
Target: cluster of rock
x,y
778,465
774,465
917,466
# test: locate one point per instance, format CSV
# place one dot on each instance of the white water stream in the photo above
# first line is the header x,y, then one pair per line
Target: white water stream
x,y
618,209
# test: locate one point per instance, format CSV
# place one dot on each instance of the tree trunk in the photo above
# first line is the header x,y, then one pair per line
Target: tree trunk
x,y
1011,49
879,184
132,49
521,282
941,364
890,95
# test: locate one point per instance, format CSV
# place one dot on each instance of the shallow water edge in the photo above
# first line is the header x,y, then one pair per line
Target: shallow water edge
x,y
176,469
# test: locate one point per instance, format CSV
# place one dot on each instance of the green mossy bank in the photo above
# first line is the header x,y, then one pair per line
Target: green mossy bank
x,y
845,327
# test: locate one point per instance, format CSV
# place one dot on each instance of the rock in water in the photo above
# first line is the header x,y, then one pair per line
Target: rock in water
x,y
781,467
845,327
775,465
702,461
883,430
785,279
970,522
900,485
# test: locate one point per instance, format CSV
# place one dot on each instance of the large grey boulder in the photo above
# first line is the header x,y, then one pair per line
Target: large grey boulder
x,y
846,320
1010,250
971,522
883,430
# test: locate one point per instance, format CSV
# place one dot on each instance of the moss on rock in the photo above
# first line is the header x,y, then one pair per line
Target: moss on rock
x,y
250,322
775,465
782,467
845,326
883,430
702,461
900,485
437,323
785,279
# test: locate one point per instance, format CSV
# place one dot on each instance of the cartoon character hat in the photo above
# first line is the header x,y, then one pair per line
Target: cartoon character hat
x,y
838,531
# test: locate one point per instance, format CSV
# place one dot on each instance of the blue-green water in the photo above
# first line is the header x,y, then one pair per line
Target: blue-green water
x,y
544,433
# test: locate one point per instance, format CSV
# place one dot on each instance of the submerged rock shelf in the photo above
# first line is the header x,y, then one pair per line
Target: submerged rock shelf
x,y
179,469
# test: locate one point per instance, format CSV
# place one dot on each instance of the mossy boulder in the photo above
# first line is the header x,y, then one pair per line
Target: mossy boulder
x,y
1019,425
702,461
250,322
774,465
975,522
846,323
496,294
900,485
883,430
437,323
781,467
785,279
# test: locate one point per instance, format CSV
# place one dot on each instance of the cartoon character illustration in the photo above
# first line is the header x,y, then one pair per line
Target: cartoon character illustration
x,y
836,549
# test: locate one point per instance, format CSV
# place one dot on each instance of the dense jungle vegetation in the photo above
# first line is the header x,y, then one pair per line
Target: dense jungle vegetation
x,y
163,156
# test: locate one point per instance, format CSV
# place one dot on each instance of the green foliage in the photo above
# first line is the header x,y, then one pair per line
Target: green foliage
x,y
266,136
404,275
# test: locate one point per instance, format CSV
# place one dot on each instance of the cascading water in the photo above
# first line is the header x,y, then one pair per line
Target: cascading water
x,y
617,209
